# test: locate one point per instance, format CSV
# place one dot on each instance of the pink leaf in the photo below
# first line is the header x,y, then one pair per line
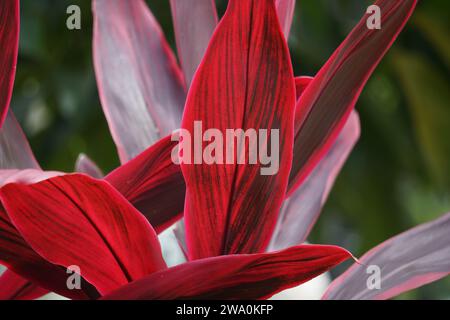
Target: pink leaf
x,y
194,25
15,152
407,261
85,165
285,9
140,85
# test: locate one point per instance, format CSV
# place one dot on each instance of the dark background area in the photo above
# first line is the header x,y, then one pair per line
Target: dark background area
x,y
398,175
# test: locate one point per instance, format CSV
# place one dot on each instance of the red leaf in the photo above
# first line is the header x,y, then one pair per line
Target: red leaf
x,y
153,184
17,255
253,276
244,81
301,83
140,85
76,220
194,25
9,44
328,100
14,287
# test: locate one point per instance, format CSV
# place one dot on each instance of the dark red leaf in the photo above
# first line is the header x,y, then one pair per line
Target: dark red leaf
x,y
18,256
14,287
245,81
9,44
153,184
76,220
251,276
328,100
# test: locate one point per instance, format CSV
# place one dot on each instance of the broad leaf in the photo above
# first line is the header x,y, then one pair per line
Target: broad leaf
x,y
76,220
245,81
251,276
18,256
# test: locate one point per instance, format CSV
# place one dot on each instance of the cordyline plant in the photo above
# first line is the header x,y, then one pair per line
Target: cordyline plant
x,y
243,232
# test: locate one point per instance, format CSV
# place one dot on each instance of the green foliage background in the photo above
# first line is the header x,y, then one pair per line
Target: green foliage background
x,y
397,177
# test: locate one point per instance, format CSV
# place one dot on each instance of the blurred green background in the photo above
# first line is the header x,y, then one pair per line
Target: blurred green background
x,y
398,175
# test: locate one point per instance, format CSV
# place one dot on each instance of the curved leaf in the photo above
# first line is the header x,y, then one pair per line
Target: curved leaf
x,y
76,220
251,276
410,260
327,102
18,256
153,184
14,287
